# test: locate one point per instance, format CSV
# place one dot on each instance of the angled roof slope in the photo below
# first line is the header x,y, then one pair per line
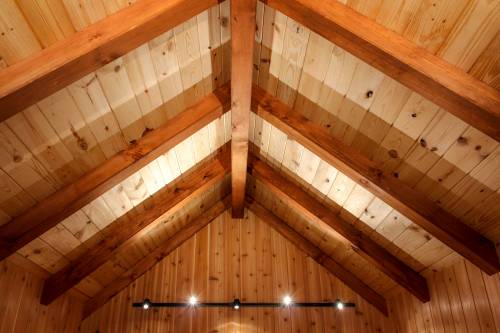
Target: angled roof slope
x,y
118,101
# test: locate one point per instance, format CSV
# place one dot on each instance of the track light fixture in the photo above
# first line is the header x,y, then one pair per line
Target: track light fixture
x,y
146,304
237,304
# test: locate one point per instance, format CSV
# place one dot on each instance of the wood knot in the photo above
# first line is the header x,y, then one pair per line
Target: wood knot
x,y
82,143
393,153
17,158
462,140
146,131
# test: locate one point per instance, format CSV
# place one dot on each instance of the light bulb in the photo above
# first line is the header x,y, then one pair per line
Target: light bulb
x,y
340,305
287,300
192,301
146,304
236,304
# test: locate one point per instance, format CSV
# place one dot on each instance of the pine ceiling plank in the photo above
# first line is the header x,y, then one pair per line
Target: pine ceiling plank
x,y
163,250
97,181
318,255
296,197
446,85
128,226
243,14
59,65
411,203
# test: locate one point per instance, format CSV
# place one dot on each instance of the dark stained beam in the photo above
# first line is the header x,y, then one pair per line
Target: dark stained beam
x,y
242,43
154,257
61,204
122,231
299,199
29,81
348,278
432,77
413,204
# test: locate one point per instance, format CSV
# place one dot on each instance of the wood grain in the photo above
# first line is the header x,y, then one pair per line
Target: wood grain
x,y
297,198
97,181
413,204
430,76
217,264
21,310
70,59
319,256
155,256
122,231
242,41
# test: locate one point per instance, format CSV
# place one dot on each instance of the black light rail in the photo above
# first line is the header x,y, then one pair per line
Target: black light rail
x,y
236,304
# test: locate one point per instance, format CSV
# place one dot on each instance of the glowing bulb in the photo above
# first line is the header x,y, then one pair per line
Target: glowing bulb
x,y
146,304
236,304
192,301
287,300
340,305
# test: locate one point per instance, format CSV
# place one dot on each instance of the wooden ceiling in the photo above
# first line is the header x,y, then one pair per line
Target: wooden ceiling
x,y
115,134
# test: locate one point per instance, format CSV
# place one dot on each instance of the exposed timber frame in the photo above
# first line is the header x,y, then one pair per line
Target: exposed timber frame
x,y
61,204
155,256
446,85
46,72
242,42
122,231
413,204
362,244
319,256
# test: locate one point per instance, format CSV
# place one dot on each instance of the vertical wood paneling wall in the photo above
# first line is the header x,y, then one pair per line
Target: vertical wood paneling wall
x,y
20,309
463,300
242,259
247,259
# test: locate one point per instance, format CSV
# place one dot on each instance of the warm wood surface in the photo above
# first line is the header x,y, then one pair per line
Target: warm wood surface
x,y
90,186
448,86
353,282
219,264
175,194
242,41
20,309
464,300
155,256
52,69
366,173
408,136
297,198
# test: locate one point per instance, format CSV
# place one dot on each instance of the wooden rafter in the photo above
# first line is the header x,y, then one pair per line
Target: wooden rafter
x,y
63,63
242,41
155,256
379,257
413,204
122,231
432,77
58,206
319,256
